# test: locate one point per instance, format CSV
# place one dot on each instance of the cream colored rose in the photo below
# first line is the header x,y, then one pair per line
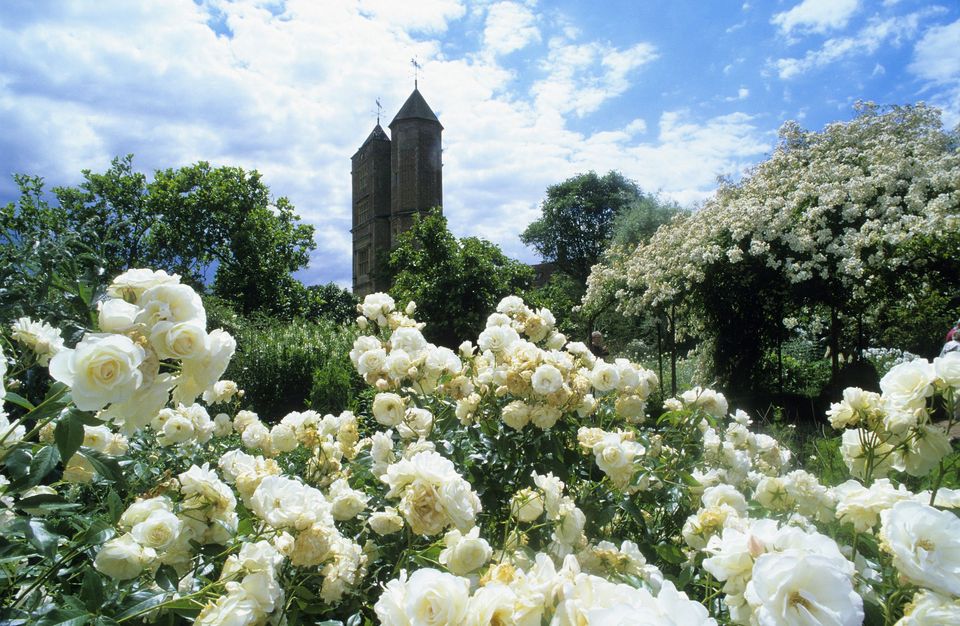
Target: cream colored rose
x,y
435,597
158,530
116,315
516,415
465,553
79,469
925,544
388,409
526,505
283,438
386,522
180,340
100,370
122,558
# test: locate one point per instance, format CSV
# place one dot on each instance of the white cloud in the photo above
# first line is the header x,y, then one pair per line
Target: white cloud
x,y
509,27
423,15
289,90
742,94
816,16
878,32
935,59
581,77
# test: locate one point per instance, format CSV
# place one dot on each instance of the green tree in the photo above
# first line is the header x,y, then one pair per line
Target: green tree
x,y
638,222
455,283
196,220
50,263
577,220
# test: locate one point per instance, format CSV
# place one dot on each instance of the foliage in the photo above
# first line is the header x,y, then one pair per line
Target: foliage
x,y
454,282
521,477
853,229
578,217
638,222
49,264
288,366
208,224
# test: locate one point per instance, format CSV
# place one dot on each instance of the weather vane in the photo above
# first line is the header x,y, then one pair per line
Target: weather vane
x,y
379,108
416,70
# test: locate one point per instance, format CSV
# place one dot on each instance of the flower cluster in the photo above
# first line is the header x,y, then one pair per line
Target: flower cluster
x,y
149,318
508,594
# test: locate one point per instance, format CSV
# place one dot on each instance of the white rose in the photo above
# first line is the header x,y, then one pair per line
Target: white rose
x,y
546,379
497,338
526,505
465,553
544,416
925,544
116,315
121,558
100,370
908,384
170,303
158,531
929,608
132,283
386,522
947,369
177,429
199,373
222,426
435,597
283,438
792,587
388,409
141,510
181,340
604,376
79,470
516,415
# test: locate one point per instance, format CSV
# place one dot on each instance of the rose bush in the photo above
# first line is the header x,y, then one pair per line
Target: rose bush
x,y
517,480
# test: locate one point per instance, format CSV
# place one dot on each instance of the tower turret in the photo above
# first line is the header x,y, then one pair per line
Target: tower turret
x,y
371,209
416,163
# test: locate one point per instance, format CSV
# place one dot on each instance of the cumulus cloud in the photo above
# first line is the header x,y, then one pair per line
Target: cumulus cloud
x,y
582,76
289,89
509,27
877,33
816,16
935,59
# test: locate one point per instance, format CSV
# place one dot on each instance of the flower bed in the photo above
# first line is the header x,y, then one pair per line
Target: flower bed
x,y
516,480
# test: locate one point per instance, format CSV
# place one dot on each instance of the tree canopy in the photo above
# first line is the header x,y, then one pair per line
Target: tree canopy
x,y
454,282
577,220
216,226
847,228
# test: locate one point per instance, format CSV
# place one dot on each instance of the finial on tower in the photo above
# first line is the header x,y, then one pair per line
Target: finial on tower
x,y
379,109
416,70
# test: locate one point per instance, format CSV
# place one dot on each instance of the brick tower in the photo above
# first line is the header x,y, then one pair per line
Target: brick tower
x,y
393,180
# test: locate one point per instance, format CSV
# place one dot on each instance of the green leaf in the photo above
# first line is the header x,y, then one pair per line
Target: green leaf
x,y
97,533
18,463
167,578
105,465
91,592
87,417
139,603
68,436
64,618
670,553
42,464
42,539
19,400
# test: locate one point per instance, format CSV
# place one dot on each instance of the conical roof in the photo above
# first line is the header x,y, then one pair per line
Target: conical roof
x,y
377,134
415,108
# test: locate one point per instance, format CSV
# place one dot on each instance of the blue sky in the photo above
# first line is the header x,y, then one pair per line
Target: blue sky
x,y
673,94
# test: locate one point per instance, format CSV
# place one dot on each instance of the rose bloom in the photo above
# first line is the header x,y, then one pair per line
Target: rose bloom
x,y
908,384
794,588
546,379
388,409
42,338
116,315
158,531
100,370
122,558
428,597
947,369
465,553
925,545
386,522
